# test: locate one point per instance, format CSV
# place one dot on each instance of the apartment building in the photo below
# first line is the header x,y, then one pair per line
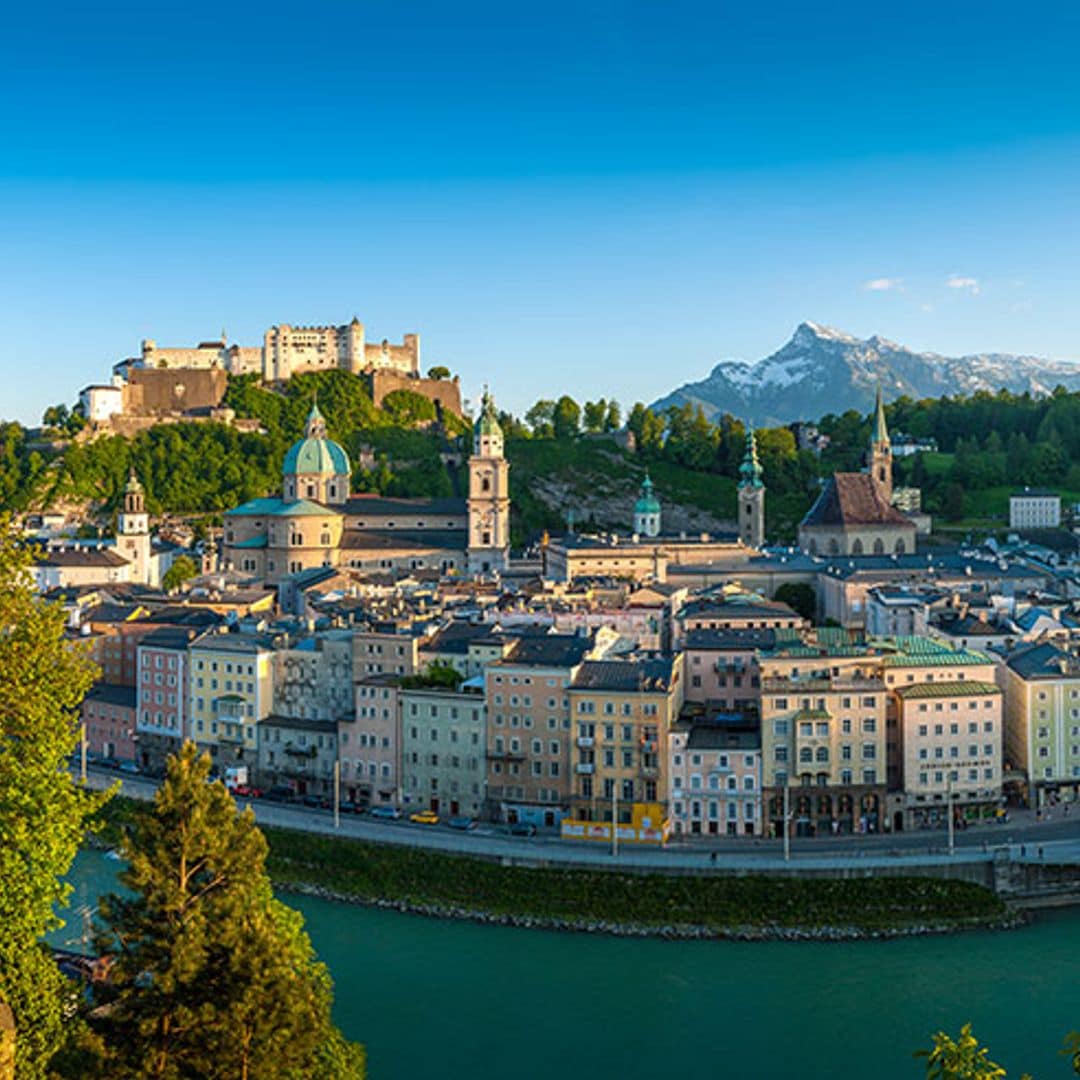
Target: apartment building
x,y
529,777
108,718
715,770
161,688
313,677
443,765
370,744
823,706
721,665
1042,721
231,689
387,648
622,713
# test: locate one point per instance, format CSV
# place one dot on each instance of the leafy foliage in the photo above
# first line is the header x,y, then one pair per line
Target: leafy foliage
x,y
182,569
212,976
42,811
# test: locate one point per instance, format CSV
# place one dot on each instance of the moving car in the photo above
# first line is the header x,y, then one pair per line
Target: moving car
x,y
390,813
462,823
425,817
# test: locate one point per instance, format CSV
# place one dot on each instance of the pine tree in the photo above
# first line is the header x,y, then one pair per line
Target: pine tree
x,y
212,976
42,810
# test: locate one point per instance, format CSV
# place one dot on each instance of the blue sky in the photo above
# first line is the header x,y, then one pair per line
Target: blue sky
x,y
594,198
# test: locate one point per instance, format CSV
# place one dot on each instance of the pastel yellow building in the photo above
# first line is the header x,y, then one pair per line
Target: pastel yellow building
x,y
231,687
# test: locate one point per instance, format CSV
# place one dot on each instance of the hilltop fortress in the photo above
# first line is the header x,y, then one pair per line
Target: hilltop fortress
x,y
172,382
286,351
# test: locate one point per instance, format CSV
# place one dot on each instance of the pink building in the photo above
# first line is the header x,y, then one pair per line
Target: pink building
x,y
161,685
721,666
108,716
715,771
369,746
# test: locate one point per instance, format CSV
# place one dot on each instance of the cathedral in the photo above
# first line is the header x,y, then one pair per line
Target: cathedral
x,y
317,521
854,514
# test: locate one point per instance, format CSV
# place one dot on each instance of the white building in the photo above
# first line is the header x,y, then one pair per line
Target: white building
x,y
100,402
1033,508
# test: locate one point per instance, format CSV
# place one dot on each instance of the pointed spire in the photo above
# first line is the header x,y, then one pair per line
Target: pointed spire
x,y
316,422
750,469
881,430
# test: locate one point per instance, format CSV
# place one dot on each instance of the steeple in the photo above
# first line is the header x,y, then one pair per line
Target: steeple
x,y
750,469
751,495
647,510
880,458
316,423
881,430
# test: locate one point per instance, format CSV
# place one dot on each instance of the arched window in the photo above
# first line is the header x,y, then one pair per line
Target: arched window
x,y
879,546
834,547
485,483
856,547
900,547
812,547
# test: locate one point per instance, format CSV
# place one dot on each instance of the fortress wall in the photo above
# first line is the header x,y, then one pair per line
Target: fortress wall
x,y
445,392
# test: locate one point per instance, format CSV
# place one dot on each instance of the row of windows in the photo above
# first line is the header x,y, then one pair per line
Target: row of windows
x,y
954,728
748,784
954,776
869,776
694,808
527,721
212,665
954,751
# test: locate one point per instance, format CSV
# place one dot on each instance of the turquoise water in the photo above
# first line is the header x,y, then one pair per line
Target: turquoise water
x,y
466,1002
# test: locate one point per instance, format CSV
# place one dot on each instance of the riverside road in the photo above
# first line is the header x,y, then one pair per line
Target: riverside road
x,y
1056,840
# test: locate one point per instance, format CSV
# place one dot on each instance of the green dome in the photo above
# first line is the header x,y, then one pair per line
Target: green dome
x,y
488,421
648,503
315,453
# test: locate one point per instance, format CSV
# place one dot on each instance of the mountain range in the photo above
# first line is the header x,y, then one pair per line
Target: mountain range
x,y
822,370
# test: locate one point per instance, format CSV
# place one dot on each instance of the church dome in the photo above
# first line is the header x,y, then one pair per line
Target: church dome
x,y
648,503
316,453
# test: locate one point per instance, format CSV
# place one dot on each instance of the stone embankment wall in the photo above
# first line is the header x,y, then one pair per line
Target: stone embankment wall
x,y
444,392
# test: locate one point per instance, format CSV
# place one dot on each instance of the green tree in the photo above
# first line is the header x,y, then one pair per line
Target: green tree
x,y
799,597
438,372
541,419
212,976
42,811
566,419
959,1059
613,416
953,502
182,569
595,411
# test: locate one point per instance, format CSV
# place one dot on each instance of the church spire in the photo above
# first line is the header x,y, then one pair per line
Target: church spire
x,y
750,469
881,430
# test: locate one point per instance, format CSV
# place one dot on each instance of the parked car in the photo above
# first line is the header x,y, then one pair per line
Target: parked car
x,y
346,807
129,767
280,793
462,823
391,813
316,802
425,817
246,791
522,828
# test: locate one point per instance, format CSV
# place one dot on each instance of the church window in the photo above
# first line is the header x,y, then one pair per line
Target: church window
x,y
485,483
486,538
834,547
900,548
857,548
879,546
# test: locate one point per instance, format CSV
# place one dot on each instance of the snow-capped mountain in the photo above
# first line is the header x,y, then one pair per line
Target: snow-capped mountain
x,y
822,370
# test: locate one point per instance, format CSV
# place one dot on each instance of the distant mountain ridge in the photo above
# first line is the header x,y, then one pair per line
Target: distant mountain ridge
x,y
822,370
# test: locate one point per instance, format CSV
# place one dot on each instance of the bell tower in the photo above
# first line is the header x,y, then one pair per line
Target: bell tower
x,y
751,496
489,495
133,531
880,457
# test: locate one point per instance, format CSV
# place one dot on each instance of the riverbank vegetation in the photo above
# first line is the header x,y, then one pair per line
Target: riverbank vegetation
x,y
421,880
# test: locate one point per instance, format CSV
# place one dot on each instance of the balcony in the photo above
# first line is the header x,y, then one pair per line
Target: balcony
x,y
585,769
586,742
505,755
649,772
648,746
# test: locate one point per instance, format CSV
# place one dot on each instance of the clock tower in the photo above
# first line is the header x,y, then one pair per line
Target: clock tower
x,y
489,495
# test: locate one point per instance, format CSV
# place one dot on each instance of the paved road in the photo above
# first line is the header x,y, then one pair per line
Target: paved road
x,y
1057,840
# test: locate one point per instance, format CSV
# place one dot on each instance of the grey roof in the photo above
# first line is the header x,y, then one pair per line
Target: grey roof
x,y
1043,661
82,557
379,506
391,539
724,737
168,637
625,676
111,694
549,650
730,639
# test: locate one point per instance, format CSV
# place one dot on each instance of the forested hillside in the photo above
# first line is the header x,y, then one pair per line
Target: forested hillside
x,y
564,456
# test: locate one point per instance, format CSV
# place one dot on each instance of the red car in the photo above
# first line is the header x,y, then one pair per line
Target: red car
x,y
245,791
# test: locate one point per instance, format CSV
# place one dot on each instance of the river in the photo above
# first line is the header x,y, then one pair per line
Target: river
x,y
461,1001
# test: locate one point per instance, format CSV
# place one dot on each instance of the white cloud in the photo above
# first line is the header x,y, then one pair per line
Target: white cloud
x,y
967,284
882,284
